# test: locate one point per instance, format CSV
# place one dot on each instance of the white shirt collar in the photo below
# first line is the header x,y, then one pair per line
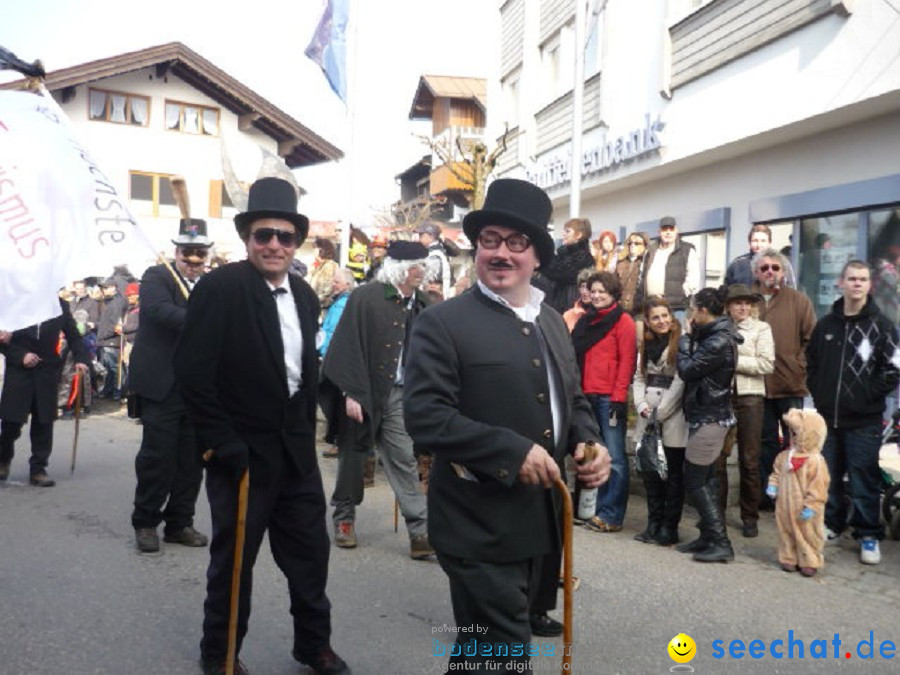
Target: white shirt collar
x,y
529,312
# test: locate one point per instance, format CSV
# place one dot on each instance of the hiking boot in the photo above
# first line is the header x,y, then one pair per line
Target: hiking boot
x,y
4,470
41,480
869,551
344,534
750,529
186,536
147,539
419,548
326,662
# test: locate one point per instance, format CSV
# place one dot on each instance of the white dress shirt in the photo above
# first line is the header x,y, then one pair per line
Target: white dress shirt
x,y
291,335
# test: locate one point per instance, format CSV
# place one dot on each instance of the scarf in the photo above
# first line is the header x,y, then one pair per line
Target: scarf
x,y
653,349
590,330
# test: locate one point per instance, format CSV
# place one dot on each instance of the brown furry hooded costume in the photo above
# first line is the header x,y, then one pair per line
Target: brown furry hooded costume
x,y
801,478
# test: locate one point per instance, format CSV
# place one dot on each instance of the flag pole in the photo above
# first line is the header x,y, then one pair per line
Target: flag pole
x,y
577,113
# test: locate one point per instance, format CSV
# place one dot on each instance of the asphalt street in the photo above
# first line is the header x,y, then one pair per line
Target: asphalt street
x,y
77,598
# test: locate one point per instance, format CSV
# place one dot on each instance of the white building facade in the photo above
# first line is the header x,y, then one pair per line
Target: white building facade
x,y
721,113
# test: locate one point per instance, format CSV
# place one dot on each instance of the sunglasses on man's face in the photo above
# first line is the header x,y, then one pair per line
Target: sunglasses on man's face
x,y
774,267
264,235
194,252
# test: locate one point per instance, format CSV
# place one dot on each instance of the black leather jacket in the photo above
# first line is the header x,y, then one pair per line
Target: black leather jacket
x,y
706,362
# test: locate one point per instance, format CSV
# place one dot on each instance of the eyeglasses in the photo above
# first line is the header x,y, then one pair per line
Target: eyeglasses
x,y
635,243
194,252
775,267
516,242
285,237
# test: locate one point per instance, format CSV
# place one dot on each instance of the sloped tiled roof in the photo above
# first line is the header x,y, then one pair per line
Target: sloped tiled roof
x,y
298,145
434,86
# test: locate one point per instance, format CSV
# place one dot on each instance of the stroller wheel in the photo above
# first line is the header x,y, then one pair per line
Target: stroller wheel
x,y
895,526
890,504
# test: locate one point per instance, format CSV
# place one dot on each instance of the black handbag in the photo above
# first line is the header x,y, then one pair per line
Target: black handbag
x,y
650,456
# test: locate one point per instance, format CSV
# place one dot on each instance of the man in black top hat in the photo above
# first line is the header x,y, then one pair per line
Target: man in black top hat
x,y
247,366
168,463
493,391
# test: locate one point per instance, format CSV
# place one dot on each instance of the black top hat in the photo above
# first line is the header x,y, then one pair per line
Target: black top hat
x,y
406,250
192,232
272,198
517,204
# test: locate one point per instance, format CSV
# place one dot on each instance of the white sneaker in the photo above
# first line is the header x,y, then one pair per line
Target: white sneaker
x,y
869,551
831,537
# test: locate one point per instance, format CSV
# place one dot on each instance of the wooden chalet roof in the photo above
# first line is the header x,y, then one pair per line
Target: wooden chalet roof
x,y
434,86
297,144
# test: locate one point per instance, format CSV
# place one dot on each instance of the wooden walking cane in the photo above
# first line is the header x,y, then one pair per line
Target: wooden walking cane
x,y
396,514
76,382
567,575
239,535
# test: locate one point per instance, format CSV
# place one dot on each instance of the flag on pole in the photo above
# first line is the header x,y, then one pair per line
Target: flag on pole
x,y
61,219
328,47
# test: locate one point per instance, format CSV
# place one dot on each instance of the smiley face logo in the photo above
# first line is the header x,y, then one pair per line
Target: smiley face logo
x,y
682,648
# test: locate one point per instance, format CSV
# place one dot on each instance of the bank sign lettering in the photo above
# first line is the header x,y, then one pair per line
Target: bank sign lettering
x,y
553,170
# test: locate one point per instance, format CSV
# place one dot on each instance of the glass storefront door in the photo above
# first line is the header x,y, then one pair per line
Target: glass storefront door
x,y
711,255
826,243
883,252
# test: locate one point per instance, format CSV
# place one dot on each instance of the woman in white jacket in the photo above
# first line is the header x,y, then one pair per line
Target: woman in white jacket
x,y
657,387
756,359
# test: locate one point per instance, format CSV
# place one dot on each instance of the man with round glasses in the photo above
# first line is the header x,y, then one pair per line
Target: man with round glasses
x,y
792,319
168,464
492,390
248,370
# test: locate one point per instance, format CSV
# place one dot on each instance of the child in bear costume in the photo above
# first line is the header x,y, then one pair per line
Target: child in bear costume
x,y
800,481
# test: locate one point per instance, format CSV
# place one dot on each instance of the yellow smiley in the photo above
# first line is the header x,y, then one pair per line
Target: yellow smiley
x,y
682,648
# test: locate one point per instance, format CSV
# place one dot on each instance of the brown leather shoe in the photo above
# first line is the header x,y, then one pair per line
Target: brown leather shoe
x,y
326,662
419,548
41,480
344,534
147,539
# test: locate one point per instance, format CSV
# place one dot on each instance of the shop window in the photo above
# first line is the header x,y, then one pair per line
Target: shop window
x,y
883,252
151,194
192,119
826,243
118,107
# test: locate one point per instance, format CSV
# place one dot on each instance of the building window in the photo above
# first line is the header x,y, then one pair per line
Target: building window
x,y
192,119
151,194
119,108
883,252
826,243
510,87
593,45
557,59
220,200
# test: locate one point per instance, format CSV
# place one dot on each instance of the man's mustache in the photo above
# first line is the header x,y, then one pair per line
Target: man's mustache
x,y
500,265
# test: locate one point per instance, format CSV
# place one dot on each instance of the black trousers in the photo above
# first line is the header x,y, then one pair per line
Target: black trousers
x,y
492,596
291,506
167,466
41,442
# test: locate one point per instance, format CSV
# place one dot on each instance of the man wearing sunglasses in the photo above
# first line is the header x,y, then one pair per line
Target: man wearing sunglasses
x,y
792,319
248,370
168,463
492,390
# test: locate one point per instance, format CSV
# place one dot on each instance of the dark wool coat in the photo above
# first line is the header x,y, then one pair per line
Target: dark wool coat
x,y
113,313
477,394
163,309
229,365
362,357
34,389
559,278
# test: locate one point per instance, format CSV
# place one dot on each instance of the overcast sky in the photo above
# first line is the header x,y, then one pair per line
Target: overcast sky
x,y
262,45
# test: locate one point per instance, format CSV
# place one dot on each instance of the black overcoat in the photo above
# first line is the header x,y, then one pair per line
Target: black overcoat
x,y
477,394
163,308
23,386
229,364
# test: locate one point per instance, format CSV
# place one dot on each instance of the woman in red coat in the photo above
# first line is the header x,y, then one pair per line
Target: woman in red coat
x,y
606,346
